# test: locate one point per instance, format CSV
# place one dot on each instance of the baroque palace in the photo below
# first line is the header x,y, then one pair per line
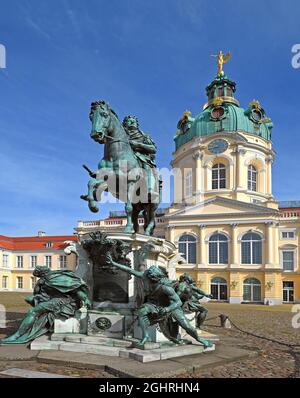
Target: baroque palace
x,y
239,243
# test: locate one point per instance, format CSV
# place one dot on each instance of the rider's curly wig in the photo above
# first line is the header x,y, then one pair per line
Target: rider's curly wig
x,y
130,117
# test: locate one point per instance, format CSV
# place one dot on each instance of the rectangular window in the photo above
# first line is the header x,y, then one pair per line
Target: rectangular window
x,y
19,262
288,235
48,261
5,261
288,291
62,261
288,260
219,178
4,282
19,282
33,261
49,244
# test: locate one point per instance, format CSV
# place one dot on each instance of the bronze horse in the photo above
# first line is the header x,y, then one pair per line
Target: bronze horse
x,y
120,172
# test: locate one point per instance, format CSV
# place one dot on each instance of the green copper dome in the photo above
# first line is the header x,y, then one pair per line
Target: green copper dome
x,y
222,113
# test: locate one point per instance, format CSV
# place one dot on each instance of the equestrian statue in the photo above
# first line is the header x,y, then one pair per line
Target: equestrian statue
x,y
128,169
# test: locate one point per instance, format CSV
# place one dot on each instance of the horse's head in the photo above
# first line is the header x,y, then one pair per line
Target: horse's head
x,y
100,116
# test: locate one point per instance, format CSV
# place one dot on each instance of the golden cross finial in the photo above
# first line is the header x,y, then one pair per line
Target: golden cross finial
x,y
222,59
186,113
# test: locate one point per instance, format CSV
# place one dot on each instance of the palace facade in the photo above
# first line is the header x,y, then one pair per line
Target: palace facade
x,y
239,243
20,255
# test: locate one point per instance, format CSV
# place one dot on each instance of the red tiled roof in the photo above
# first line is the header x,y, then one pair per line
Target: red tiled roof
x,y
34,242
285,209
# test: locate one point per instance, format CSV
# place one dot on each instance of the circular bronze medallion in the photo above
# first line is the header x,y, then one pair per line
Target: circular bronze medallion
x,y
103,323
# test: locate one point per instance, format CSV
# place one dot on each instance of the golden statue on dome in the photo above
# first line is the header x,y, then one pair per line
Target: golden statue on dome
x,y
222,59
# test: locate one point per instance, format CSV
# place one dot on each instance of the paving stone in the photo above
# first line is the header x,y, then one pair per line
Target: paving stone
x,y
90,349
16,352
76,359
181,351
31,374
44,343
131,368
145,356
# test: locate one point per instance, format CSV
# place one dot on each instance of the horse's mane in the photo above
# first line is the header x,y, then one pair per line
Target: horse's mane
x,y
104,105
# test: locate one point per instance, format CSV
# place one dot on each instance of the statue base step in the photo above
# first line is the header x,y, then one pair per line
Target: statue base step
x,y
101,345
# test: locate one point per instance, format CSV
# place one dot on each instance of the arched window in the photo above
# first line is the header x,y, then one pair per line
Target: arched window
x,y
251,248
187,248
218,249
218,176
252,290
252,178
218,288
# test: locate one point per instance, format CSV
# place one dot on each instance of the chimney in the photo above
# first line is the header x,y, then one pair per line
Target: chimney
x,y
41,233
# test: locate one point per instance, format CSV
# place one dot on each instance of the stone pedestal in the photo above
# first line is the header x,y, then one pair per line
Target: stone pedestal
x,y
116,297
111,327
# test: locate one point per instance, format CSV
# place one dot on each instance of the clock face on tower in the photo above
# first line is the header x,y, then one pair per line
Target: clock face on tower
x,y
217,146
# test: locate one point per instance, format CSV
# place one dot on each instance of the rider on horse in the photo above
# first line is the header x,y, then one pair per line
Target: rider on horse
x,y
144,148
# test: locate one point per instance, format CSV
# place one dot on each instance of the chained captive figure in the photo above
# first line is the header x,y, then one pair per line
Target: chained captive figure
x,y
190,295
162,305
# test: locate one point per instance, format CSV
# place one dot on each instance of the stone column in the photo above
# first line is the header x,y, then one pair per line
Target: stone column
x,y
198,183
170,233
238,167
269,161
202,251
234,246
276,245
269,262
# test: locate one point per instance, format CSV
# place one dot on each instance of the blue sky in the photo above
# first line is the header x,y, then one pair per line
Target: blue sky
x,y
149,58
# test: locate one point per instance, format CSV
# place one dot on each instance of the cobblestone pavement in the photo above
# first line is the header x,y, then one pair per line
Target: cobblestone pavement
x,y
56,369
273,360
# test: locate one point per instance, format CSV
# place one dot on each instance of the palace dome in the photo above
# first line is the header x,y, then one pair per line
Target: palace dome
x,y
222,113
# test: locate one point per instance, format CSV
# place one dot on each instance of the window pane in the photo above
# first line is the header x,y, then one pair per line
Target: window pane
x,y
222,183
214,291
192,253
257,253
223,292
182,249
247,293
288,260
246,253
256,293
223,253
213,253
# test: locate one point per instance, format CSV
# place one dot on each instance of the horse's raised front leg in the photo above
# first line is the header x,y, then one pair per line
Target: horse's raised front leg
x,y
93,186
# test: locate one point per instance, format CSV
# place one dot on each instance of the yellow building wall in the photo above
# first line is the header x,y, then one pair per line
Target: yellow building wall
x,y
12,272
